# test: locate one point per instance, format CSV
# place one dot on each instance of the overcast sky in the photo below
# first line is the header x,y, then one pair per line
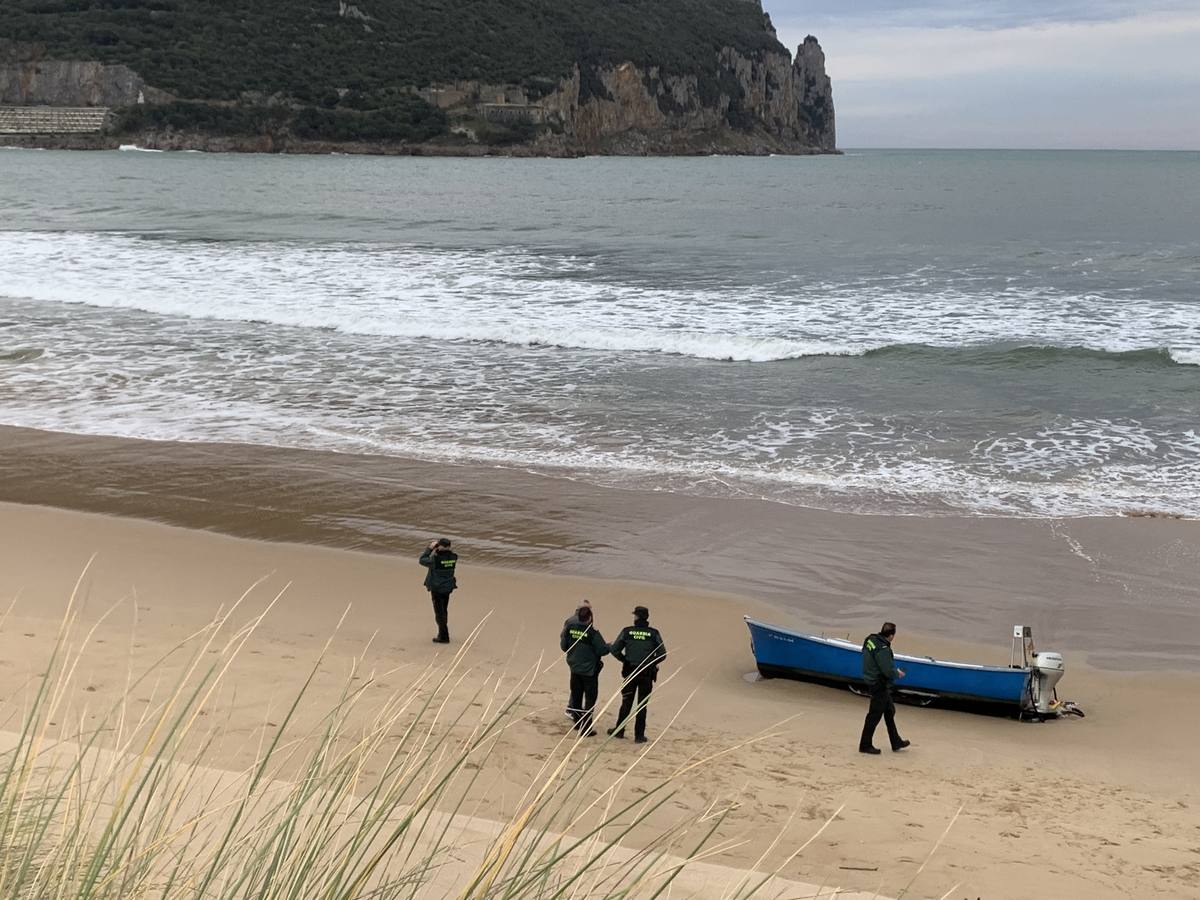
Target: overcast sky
x,y
1055,73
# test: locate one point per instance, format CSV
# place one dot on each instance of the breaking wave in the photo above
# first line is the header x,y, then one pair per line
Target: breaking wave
x,y
532,299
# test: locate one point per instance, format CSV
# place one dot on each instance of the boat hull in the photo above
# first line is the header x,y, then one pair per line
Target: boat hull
x,y
781,652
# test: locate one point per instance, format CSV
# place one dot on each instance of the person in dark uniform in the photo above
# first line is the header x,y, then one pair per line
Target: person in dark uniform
x,y
640,650
880,674
584,646
441,562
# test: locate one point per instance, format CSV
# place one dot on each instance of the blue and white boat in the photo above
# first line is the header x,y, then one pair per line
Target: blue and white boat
x,y
1025,688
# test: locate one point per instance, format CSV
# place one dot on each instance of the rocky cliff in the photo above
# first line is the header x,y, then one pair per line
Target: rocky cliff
x,y
618,91
74,82
765,103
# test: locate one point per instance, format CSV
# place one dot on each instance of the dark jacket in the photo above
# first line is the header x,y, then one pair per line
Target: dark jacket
x,y
584,646
440,577
878,662
639,648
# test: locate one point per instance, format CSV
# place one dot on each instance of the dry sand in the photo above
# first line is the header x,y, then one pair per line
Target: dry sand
x,y
1107,806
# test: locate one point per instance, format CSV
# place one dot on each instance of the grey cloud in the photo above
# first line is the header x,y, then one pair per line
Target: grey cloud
x,y
1107,73
964,13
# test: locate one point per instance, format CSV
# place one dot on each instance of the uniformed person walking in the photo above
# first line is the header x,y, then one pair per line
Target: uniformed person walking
x,y
440,580
584,646
640,650
880,674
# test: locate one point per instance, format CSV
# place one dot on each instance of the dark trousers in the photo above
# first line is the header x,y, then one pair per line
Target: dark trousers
x,y
441,614
636,690
882,707
584,690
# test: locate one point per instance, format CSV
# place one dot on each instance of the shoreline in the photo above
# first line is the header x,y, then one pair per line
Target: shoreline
x,y
1117,788
197,143
1120,590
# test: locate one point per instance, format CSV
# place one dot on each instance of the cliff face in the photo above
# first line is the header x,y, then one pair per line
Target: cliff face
x,y
747,104
74,82
767,102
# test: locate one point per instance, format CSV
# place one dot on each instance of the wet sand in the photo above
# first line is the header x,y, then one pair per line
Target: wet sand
x,y
1122,593
1102,807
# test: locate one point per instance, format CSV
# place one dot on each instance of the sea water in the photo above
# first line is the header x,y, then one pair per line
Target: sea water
x,y
923,333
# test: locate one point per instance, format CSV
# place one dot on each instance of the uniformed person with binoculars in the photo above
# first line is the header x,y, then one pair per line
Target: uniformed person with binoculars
x,y
640,650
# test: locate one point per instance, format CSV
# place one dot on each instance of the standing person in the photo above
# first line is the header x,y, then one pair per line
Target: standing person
x,y
880,674
441,562
640,650
584,647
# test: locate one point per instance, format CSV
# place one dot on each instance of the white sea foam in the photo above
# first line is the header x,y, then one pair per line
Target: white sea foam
x,y
521,298
916,486
134,148
350,347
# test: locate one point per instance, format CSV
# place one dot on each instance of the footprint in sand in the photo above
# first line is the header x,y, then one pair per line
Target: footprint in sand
x,y
288,656
30,634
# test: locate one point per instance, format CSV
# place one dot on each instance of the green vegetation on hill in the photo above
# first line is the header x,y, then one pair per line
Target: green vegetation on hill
x,y
309,50
410,119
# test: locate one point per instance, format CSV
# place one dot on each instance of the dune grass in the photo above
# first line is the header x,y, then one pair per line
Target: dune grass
x,y
371,801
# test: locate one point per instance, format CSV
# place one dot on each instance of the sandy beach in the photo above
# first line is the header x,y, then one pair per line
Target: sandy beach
x,y
1107,806
1119,593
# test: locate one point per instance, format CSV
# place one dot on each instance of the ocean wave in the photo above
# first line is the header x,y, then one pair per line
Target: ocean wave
x,y
532,299
21,354
134,148
1003,354
920,486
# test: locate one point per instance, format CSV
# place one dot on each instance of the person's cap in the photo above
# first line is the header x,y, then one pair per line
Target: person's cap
x,y
584,613
443,542
640,612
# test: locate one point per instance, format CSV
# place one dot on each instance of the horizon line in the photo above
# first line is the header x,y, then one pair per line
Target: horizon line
x,y
1033,149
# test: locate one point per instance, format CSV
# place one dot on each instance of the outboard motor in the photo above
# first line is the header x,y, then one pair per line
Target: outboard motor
x,y
1047,670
